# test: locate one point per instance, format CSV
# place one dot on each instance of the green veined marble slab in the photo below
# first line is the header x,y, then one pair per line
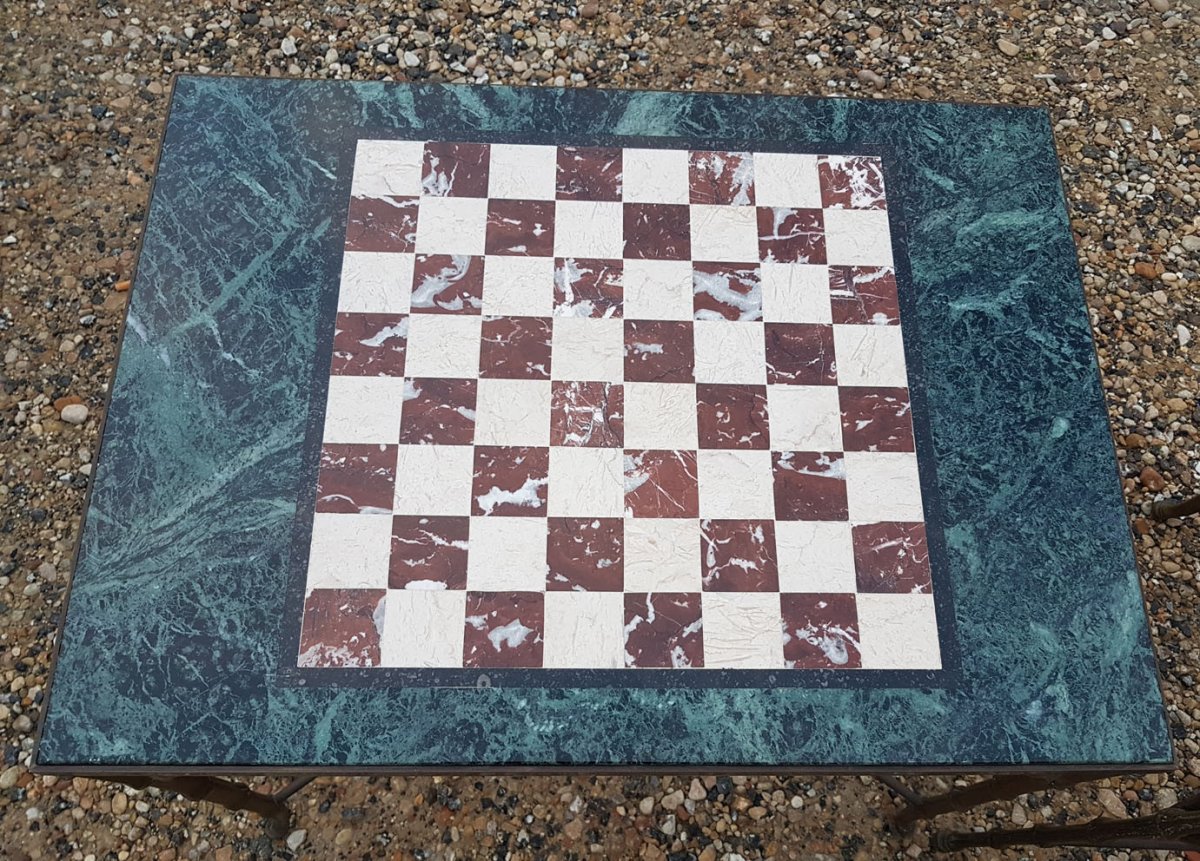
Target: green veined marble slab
x,y
172,647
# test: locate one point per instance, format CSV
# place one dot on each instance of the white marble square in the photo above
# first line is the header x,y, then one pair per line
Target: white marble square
x,y
870,356
815,556
512,412
584,630
387,168
588,348
805,418
660,416
786,179
363,409
897,632
507,554
795,293
882,486
857,237
423,628
523,171
376,282
729,352
434,479
656,176
662,555
735,485
586,482
516,286
742,630
589,228
443,345
349,551
658,290
724,233
452,225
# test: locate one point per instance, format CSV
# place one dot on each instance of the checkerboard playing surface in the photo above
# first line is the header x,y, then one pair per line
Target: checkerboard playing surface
x,y
613,408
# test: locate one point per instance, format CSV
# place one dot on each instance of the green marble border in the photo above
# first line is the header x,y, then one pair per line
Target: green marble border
x,y
947,675
172,629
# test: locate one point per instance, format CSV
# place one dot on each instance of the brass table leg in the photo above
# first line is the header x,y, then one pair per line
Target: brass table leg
x,y
993,789
1173,828
226,793
1168,508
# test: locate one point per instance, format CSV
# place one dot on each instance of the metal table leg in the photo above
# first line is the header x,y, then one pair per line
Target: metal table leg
x,y
272,807
1173,828
1003,787
1168,508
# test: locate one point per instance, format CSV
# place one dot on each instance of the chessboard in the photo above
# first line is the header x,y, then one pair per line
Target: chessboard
x,y
617,408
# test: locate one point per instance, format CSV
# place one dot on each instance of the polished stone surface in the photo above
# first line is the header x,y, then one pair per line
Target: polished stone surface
x,y
185,577
563,416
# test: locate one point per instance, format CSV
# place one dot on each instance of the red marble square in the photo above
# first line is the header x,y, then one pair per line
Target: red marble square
x,y
341,628
738,556
369,345
851,182
861,295
809,485
438,411
589,173
588,414
891,557
791,235
800,354
732,416
447,284
820,631
585,554
659,351
504,629
723,178
356,479
727,291
429,552
587,288
658,231
382,224
661,484
876,419
515,348
510,481
455,169
520,227
664,630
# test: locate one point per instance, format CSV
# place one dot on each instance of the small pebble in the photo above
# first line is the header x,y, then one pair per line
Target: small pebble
x,y
74,414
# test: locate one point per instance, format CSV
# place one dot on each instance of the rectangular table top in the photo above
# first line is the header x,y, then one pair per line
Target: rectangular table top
x,y
484,428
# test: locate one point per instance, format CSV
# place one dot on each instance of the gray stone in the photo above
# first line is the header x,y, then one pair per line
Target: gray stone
x,y
74,414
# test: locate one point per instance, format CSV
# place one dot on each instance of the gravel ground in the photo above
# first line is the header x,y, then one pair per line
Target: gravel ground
x,y
82,101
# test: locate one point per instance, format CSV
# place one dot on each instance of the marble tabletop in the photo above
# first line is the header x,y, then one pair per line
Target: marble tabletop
x,y
483,428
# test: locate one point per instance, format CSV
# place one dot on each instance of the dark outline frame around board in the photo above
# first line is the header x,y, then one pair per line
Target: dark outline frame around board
x,y
289,675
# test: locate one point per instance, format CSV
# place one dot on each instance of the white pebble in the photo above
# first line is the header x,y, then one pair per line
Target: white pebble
x,y
1184,334
75,414
296,839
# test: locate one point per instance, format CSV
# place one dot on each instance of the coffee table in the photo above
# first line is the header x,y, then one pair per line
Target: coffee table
x,y
472,429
